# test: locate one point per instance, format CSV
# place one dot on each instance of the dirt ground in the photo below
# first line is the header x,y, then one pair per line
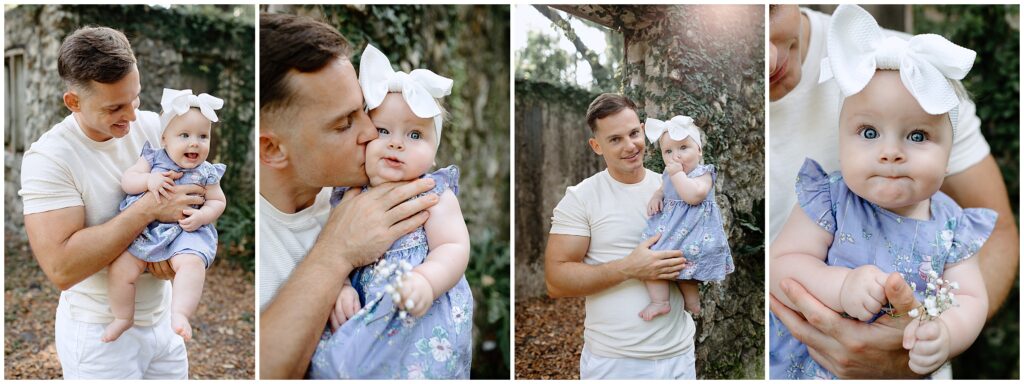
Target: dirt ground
x,y
222,347
549,338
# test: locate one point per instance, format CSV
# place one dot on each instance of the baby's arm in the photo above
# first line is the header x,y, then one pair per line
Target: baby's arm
x,y
211,210
932,343
799,253
345,306
140,178
692,190
654,206
448,239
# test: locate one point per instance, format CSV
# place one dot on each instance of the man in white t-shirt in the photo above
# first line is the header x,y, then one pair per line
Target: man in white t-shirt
x,y
71,189
313,133
594,250
803,119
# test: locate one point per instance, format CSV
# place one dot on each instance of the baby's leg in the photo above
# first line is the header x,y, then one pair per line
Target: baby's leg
x,y
657,290
691,295
189,275
121,289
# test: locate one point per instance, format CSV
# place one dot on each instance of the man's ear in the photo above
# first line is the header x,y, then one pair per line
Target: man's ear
x,y
273,152
71,101
595,146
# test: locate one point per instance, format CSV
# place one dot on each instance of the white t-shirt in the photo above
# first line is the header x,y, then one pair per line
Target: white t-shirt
x,y
805,122
65,168
285,239
613,215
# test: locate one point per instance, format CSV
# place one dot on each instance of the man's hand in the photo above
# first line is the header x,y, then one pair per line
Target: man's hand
x,y
160,184
846,347
863,292
173,208
161,269
365,224
345,307
645,264
928,342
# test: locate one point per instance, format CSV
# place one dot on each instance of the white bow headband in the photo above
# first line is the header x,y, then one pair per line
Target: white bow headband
x,y
419,87
678,129
927,62
175,103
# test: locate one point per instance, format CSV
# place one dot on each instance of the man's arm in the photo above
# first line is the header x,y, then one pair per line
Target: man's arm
x,y
359,230
568,276
69,252
981,186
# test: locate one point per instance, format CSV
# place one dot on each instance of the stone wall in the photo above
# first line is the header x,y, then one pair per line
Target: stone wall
x,y
551,154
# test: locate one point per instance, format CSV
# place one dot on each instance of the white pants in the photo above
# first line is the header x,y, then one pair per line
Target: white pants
x,y
154,352
600,367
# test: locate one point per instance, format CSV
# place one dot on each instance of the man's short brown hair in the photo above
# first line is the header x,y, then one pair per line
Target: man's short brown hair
x,y
299,42
97,54
605,105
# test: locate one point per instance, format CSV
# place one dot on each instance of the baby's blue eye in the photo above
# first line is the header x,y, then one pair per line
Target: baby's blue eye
x,y
917,136
668,151
382,131
415,135
869,133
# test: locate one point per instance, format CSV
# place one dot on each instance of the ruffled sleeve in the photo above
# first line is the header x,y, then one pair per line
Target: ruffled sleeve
x,y
216,172
969,233
149,153
703,169
445,178
813,187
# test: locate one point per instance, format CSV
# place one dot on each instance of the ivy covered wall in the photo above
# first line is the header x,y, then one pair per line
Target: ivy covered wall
x,y
707,62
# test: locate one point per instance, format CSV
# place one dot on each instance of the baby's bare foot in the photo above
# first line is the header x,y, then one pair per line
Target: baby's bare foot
x,y
181,326
115,329
655,309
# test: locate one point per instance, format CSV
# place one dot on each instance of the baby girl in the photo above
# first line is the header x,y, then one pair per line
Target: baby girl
x,y
191,243
883,212
409,315
684,212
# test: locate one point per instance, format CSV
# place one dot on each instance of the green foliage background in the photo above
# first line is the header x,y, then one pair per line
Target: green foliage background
x,y
469,44
994,84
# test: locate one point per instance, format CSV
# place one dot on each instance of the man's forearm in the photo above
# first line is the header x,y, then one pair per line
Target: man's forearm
x,y
998,260
68,261
575,279
294,320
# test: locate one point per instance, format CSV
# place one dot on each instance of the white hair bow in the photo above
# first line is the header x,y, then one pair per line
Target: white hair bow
x,y
856,48
176,103
419,87
678,129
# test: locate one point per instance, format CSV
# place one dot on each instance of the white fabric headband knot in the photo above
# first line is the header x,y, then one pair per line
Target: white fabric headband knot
x,y
419,87
175,103
926,62
678,129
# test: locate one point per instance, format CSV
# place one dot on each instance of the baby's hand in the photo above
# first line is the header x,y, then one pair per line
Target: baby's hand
x,y
417,294
672,168
160,184
654,206
192,221
863,292
928,343
345,307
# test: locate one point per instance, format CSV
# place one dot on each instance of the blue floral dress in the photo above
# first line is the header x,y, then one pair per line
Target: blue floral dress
x,y
695,229
377,343
864,233
160,241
